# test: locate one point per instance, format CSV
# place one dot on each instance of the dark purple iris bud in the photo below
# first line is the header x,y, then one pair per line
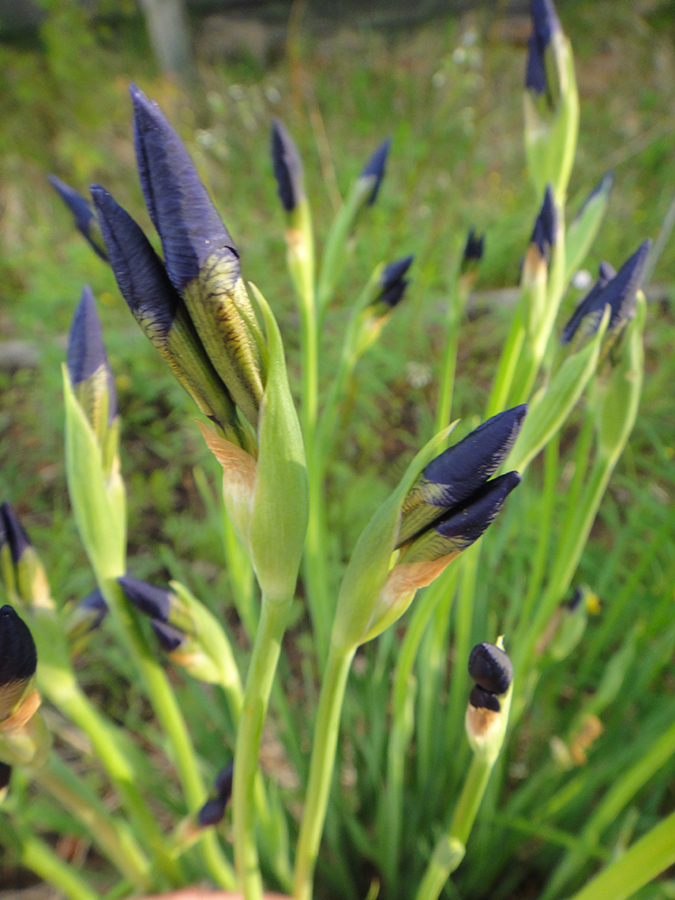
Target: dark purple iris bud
x,y
452,478
95,608
12,532
5,774
473,250
223,782
169,637
152,601
85,218
576,598
179,205
211,813
481,699
463,524
287,167
139,272
18,656
545,23
616,290
375,168
546,225
490,668
393,283
160,311
88,367
471,519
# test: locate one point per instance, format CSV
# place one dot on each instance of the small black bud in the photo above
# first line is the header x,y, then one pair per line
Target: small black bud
x,y
211,813
481,699
18,656
223,782
169,637
490,668
13,532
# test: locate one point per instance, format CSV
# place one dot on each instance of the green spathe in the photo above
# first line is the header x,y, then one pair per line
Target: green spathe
x,y
217,664
583,229
550,408
618,399
98,502
280,495
370,562
551,134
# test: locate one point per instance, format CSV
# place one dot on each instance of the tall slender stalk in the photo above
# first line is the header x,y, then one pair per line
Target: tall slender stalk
x,y
116,841
321,770
256,697
36,855
171,719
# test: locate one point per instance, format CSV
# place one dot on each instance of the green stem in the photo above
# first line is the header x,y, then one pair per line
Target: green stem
x,y
507,365
109,747
450,849
402,725
117,843
541,555
256,697
321,770
39,857
279,858
456,305
335,246
464,611
171,719
431,666
645,860
315,564
570,548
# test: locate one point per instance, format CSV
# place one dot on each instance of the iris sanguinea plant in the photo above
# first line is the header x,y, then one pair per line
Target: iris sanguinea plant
x,y
220,338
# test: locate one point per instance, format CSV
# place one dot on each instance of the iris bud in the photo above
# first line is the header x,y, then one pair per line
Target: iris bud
x,y
490,668
373,171
85,217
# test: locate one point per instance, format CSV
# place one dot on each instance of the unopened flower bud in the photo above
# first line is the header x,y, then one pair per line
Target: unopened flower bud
x,y
374,170
481,699
490,668
287,167
90,373
223,782
545,25
18,661
23,573
85,217
617,290
489,704
85,618
156,602
452,478
161,313
201,259
169,637
5,774
211,813
393,283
